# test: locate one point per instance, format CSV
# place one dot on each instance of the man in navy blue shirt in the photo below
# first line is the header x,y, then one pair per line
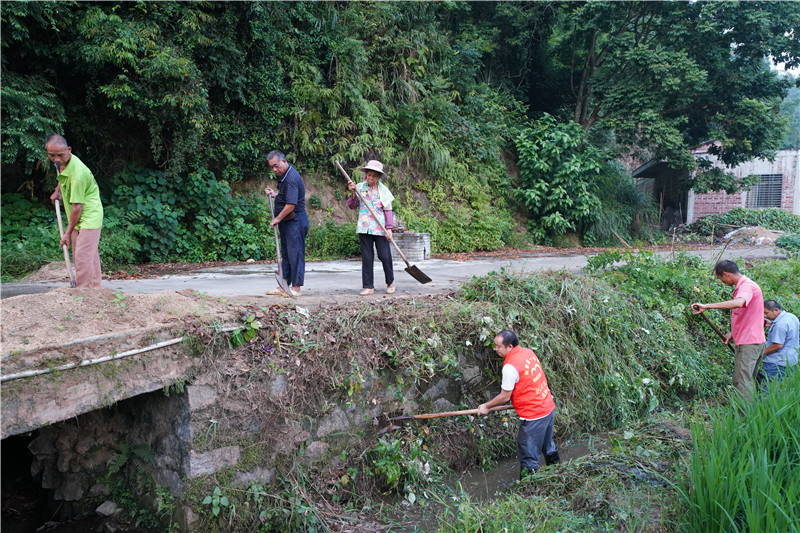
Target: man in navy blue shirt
x,y
782,341
291,219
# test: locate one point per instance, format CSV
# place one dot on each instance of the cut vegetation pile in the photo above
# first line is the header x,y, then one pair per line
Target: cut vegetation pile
x,y
621,350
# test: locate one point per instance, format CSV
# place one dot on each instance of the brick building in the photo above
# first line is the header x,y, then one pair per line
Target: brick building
x,y
778,186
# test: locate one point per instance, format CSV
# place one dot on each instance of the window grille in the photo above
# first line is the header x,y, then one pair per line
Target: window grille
x,y
767,192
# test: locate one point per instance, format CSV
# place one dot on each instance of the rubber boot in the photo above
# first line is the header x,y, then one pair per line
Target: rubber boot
x,y
552,458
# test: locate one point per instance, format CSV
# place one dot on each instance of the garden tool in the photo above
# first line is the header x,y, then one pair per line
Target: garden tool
x,y
66,252
279,274
415,272
386,423
717,331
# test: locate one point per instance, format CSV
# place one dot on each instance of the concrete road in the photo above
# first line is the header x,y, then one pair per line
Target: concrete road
x,y
335,279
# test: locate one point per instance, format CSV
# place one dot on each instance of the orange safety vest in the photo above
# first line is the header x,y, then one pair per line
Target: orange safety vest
x,y
531,396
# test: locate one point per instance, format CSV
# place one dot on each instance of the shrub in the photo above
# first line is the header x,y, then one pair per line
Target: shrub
x,y
192,218
30,236
558,172
120,241
772,218
332,241
625,210
790,244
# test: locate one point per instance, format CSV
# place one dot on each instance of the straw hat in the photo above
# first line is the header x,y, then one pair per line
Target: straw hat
x,y
375,165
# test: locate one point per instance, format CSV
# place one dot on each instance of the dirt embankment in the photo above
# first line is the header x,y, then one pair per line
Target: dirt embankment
x,y
65,315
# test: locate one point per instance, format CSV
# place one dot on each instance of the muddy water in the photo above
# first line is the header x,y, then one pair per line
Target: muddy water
x,y
481,486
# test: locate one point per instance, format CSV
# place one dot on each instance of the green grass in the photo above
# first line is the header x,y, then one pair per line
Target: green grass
x,y
745,473
609,359
512,514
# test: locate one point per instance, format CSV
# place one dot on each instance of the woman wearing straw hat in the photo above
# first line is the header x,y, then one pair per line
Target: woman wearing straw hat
x,y
370,233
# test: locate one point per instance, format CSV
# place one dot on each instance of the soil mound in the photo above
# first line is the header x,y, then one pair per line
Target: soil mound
x,y
756,235
35,320
55,271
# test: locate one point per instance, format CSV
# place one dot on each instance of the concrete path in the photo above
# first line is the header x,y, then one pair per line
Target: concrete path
x,y
335,279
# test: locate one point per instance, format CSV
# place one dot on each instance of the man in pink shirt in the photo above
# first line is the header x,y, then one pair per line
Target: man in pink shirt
x,y
747,324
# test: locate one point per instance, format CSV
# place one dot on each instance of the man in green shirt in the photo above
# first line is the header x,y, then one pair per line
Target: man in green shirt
x,y
78,191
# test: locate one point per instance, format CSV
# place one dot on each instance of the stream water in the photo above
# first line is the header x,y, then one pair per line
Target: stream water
x,y
479,485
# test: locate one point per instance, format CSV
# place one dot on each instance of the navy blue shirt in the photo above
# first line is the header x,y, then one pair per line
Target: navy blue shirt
x,y
291,190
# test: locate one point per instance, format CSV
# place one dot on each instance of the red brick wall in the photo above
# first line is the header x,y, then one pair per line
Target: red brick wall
x,y
713,203
719,202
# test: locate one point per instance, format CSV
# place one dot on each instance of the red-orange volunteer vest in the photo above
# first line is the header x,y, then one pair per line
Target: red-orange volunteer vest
x,y
531,396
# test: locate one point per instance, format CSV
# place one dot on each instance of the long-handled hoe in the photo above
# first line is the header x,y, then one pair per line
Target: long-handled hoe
x,y
717,331
386,423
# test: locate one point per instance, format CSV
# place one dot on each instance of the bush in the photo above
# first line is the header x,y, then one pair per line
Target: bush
x,y
625,210
558,170
120,240
790,244
332,241
772,218
192,218
30,236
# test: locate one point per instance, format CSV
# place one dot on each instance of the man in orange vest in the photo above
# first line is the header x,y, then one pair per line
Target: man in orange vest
x,y
525,385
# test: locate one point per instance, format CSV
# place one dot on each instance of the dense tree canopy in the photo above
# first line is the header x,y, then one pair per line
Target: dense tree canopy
x,y
442,88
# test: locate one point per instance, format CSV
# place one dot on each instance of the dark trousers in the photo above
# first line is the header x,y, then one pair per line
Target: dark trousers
x,y
534,438
384,249
293,248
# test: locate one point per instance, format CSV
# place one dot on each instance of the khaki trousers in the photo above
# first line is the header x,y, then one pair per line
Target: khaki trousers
x,y
86,256
746,365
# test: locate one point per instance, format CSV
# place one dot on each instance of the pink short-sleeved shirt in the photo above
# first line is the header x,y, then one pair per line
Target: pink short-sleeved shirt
x,y
747,323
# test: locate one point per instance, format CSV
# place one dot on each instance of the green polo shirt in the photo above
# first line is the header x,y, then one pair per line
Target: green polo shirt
x,y
79,187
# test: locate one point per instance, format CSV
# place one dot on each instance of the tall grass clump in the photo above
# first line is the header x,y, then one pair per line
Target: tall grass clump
x,y
609,360
745,472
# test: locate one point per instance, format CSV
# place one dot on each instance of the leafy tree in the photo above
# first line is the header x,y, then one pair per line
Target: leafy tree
x,y
31,107
664,76
790,108
558,171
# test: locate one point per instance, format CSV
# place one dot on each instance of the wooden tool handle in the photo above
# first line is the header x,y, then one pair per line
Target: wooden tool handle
x,y
277,242
717,331
64,247
374,215
465,412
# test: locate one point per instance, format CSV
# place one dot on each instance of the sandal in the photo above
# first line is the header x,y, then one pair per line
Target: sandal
x,y
390,288
276,292
366,292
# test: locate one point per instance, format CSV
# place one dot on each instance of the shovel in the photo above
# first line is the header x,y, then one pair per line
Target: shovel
x,y
718,332
385,423
66,252
279,274
415,272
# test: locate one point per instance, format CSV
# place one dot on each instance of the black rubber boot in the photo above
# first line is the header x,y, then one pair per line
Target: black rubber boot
x,y
552,458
